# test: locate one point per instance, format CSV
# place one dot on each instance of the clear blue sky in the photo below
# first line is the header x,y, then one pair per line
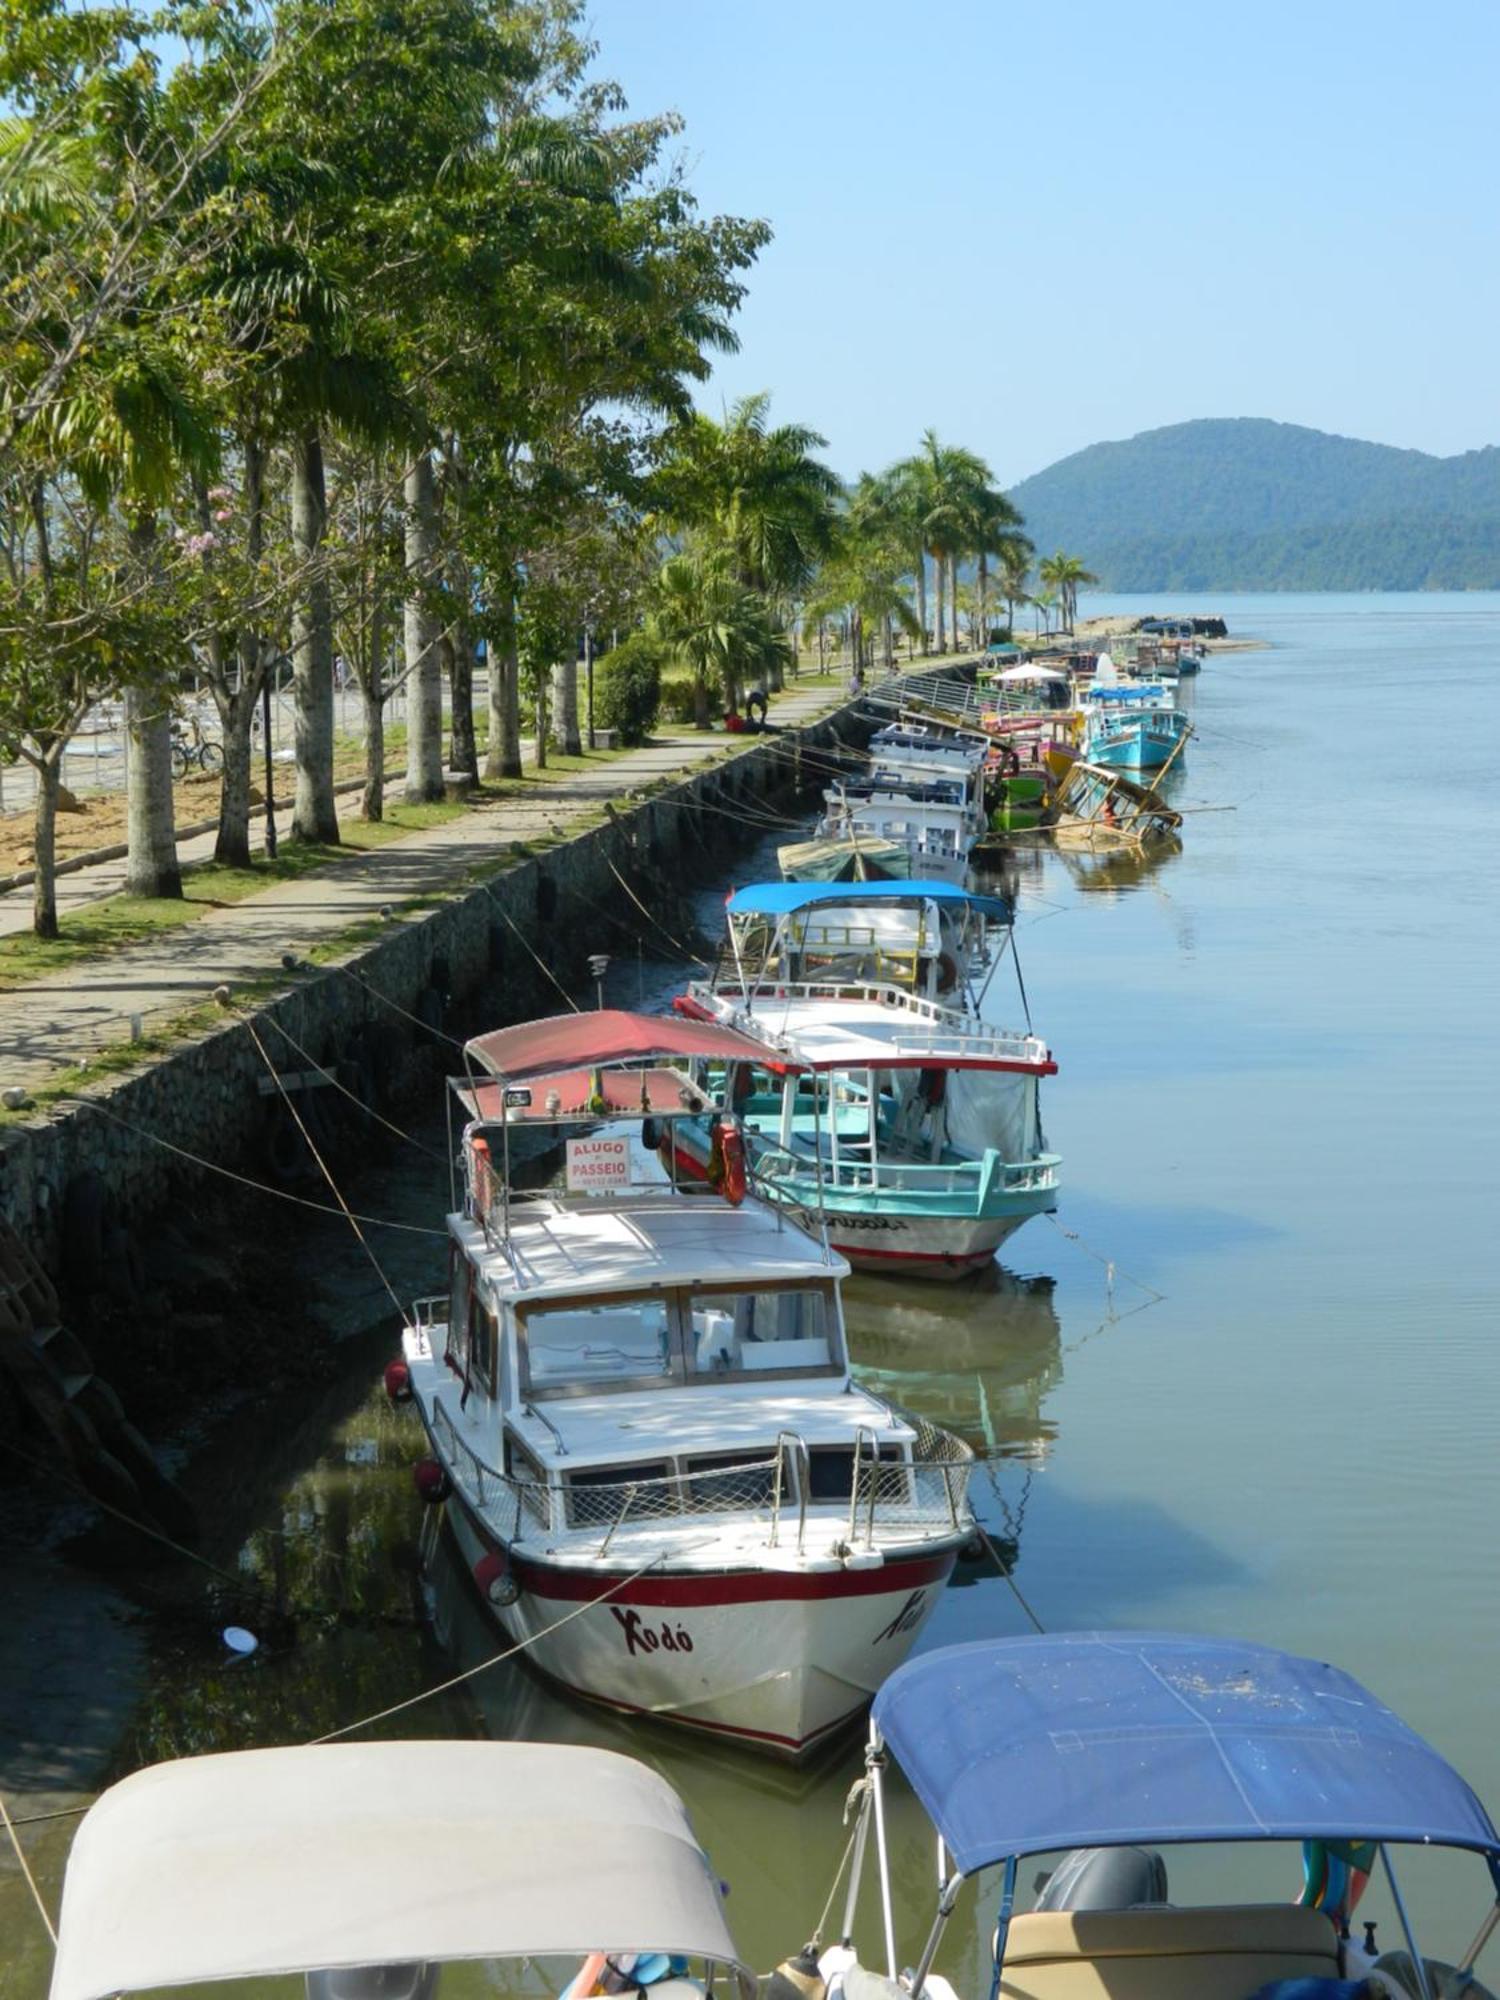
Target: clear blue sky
x,y
1034,226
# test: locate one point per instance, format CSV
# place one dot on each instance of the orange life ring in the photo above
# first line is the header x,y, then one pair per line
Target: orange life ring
x,y
732,1153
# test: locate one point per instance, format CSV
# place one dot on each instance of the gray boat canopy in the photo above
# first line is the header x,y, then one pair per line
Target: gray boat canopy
x,y
265,1862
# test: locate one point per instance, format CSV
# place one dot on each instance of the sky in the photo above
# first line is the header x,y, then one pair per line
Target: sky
x,y
1030,227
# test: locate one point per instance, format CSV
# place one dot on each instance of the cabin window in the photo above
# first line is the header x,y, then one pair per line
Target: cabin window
x,y
460,1291
484,1342
830,1469
594,1346
728,1480
741,1332
599,1496
530,1480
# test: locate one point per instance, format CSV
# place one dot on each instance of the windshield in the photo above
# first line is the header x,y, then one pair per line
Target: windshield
x,y
682,1335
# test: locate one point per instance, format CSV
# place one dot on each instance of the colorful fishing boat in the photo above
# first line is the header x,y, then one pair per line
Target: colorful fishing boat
x,y
906,1126
1133,726
643,1427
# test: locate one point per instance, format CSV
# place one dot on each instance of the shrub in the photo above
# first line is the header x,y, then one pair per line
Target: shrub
x,y
677,702
627,688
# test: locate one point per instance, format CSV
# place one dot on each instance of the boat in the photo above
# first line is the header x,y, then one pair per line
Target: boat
x,y
906,1125
638,1401
1104,811
1105,1746
366,1867
1133,726
856,858
924,790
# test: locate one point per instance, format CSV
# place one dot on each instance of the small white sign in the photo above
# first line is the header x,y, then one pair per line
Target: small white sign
x,y
595,1164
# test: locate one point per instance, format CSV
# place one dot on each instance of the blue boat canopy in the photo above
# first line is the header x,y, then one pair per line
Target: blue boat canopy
x,y
1102,1739
782,899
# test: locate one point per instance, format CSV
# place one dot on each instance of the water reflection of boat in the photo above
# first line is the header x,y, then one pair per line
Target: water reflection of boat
x,y
1000,1341
1119,868
766,1827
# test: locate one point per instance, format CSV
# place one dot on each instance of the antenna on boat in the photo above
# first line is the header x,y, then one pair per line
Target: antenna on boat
x,y
598,966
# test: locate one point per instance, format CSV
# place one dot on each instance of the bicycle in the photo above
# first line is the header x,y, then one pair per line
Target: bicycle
x,y
201,750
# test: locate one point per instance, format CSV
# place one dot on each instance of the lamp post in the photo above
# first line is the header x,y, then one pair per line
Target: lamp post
x,y
265,724
588,676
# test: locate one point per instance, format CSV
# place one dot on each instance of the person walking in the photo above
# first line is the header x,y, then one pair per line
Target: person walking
x,y
757,704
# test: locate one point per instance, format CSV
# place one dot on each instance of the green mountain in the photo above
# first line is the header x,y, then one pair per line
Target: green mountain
x,y
1240,503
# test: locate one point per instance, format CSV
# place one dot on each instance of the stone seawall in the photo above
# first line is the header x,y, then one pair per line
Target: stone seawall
x,y
462,962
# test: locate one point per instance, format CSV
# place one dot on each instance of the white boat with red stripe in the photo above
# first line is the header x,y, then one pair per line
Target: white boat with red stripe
x,y
641,1416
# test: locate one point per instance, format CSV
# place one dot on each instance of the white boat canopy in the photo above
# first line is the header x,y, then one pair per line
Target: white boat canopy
x,y
265,1862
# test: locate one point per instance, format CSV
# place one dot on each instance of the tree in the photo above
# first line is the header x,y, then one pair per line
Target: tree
x,y
755,491
1063,574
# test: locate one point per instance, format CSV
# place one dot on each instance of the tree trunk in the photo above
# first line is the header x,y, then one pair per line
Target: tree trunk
x,y
236,705
504,759
984,599
232,847
700,701
458,647
424,685
541,719
151,865
937,578
372,798
314,814
48,768
565,732
922,595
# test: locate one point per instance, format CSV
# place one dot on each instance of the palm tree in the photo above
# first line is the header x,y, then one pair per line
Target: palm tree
x,y
1015,574
714,625
1063,573
941,485
757,491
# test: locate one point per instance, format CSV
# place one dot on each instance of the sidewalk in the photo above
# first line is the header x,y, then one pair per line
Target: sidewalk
x,y
50,1025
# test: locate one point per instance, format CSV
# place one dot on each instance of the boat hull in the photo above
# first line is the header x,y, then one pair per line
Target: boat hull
x,y
775,1659
1138,749
936,1248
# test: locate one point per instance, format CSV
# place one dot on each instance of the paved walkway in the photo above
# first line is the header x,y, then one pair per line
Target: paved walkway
x,y
48,1026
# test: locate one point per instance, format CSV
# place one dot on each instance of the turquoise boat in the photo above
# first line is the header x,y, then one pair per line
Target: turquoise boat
x,y
902,1124
1133,726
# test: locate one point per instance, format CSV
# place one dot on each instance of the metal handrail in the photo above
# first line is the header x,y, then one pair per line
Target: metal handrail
x,y
862,1431
802,1463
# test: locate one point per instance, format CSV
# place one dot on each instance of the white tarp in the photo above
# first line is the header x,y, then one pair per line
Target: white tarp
x,y
990,1108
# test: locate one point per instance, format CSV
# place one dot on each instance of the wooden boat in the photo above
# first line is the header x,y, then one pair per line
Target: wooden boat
x,y
1101,810
1133,726
638,1400
857,857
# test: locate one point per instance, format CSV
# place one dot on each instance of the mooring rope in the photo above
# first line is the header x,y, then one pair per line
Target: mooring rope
x,y
222,995
343,1090
546,968
243,1180
1004,1569
676,943
20,1852
468,1674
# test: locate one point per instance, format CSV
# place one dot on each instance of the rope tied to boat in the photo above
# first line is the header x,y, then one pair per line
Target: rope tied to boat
x,y
222,995
25,1866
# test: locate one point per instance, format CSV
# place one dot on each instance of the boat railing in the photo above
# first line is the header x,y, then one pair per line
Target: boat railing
x,y
889,1497
779,1170
928,1490
427,1315
792,1469
945,1031
502,1498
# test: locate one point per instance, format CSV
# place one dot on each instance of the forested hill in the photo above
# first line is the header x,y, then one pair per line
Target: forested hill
x,y
1240,503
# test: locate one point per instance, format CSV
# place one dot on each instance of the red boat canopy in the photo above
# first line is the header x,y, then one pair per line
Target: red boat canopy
x,y
608,1039
564,1096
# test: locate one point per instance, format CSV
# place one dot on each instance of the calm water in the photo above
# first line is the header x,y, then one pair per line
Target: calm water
x,y
1253,1391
